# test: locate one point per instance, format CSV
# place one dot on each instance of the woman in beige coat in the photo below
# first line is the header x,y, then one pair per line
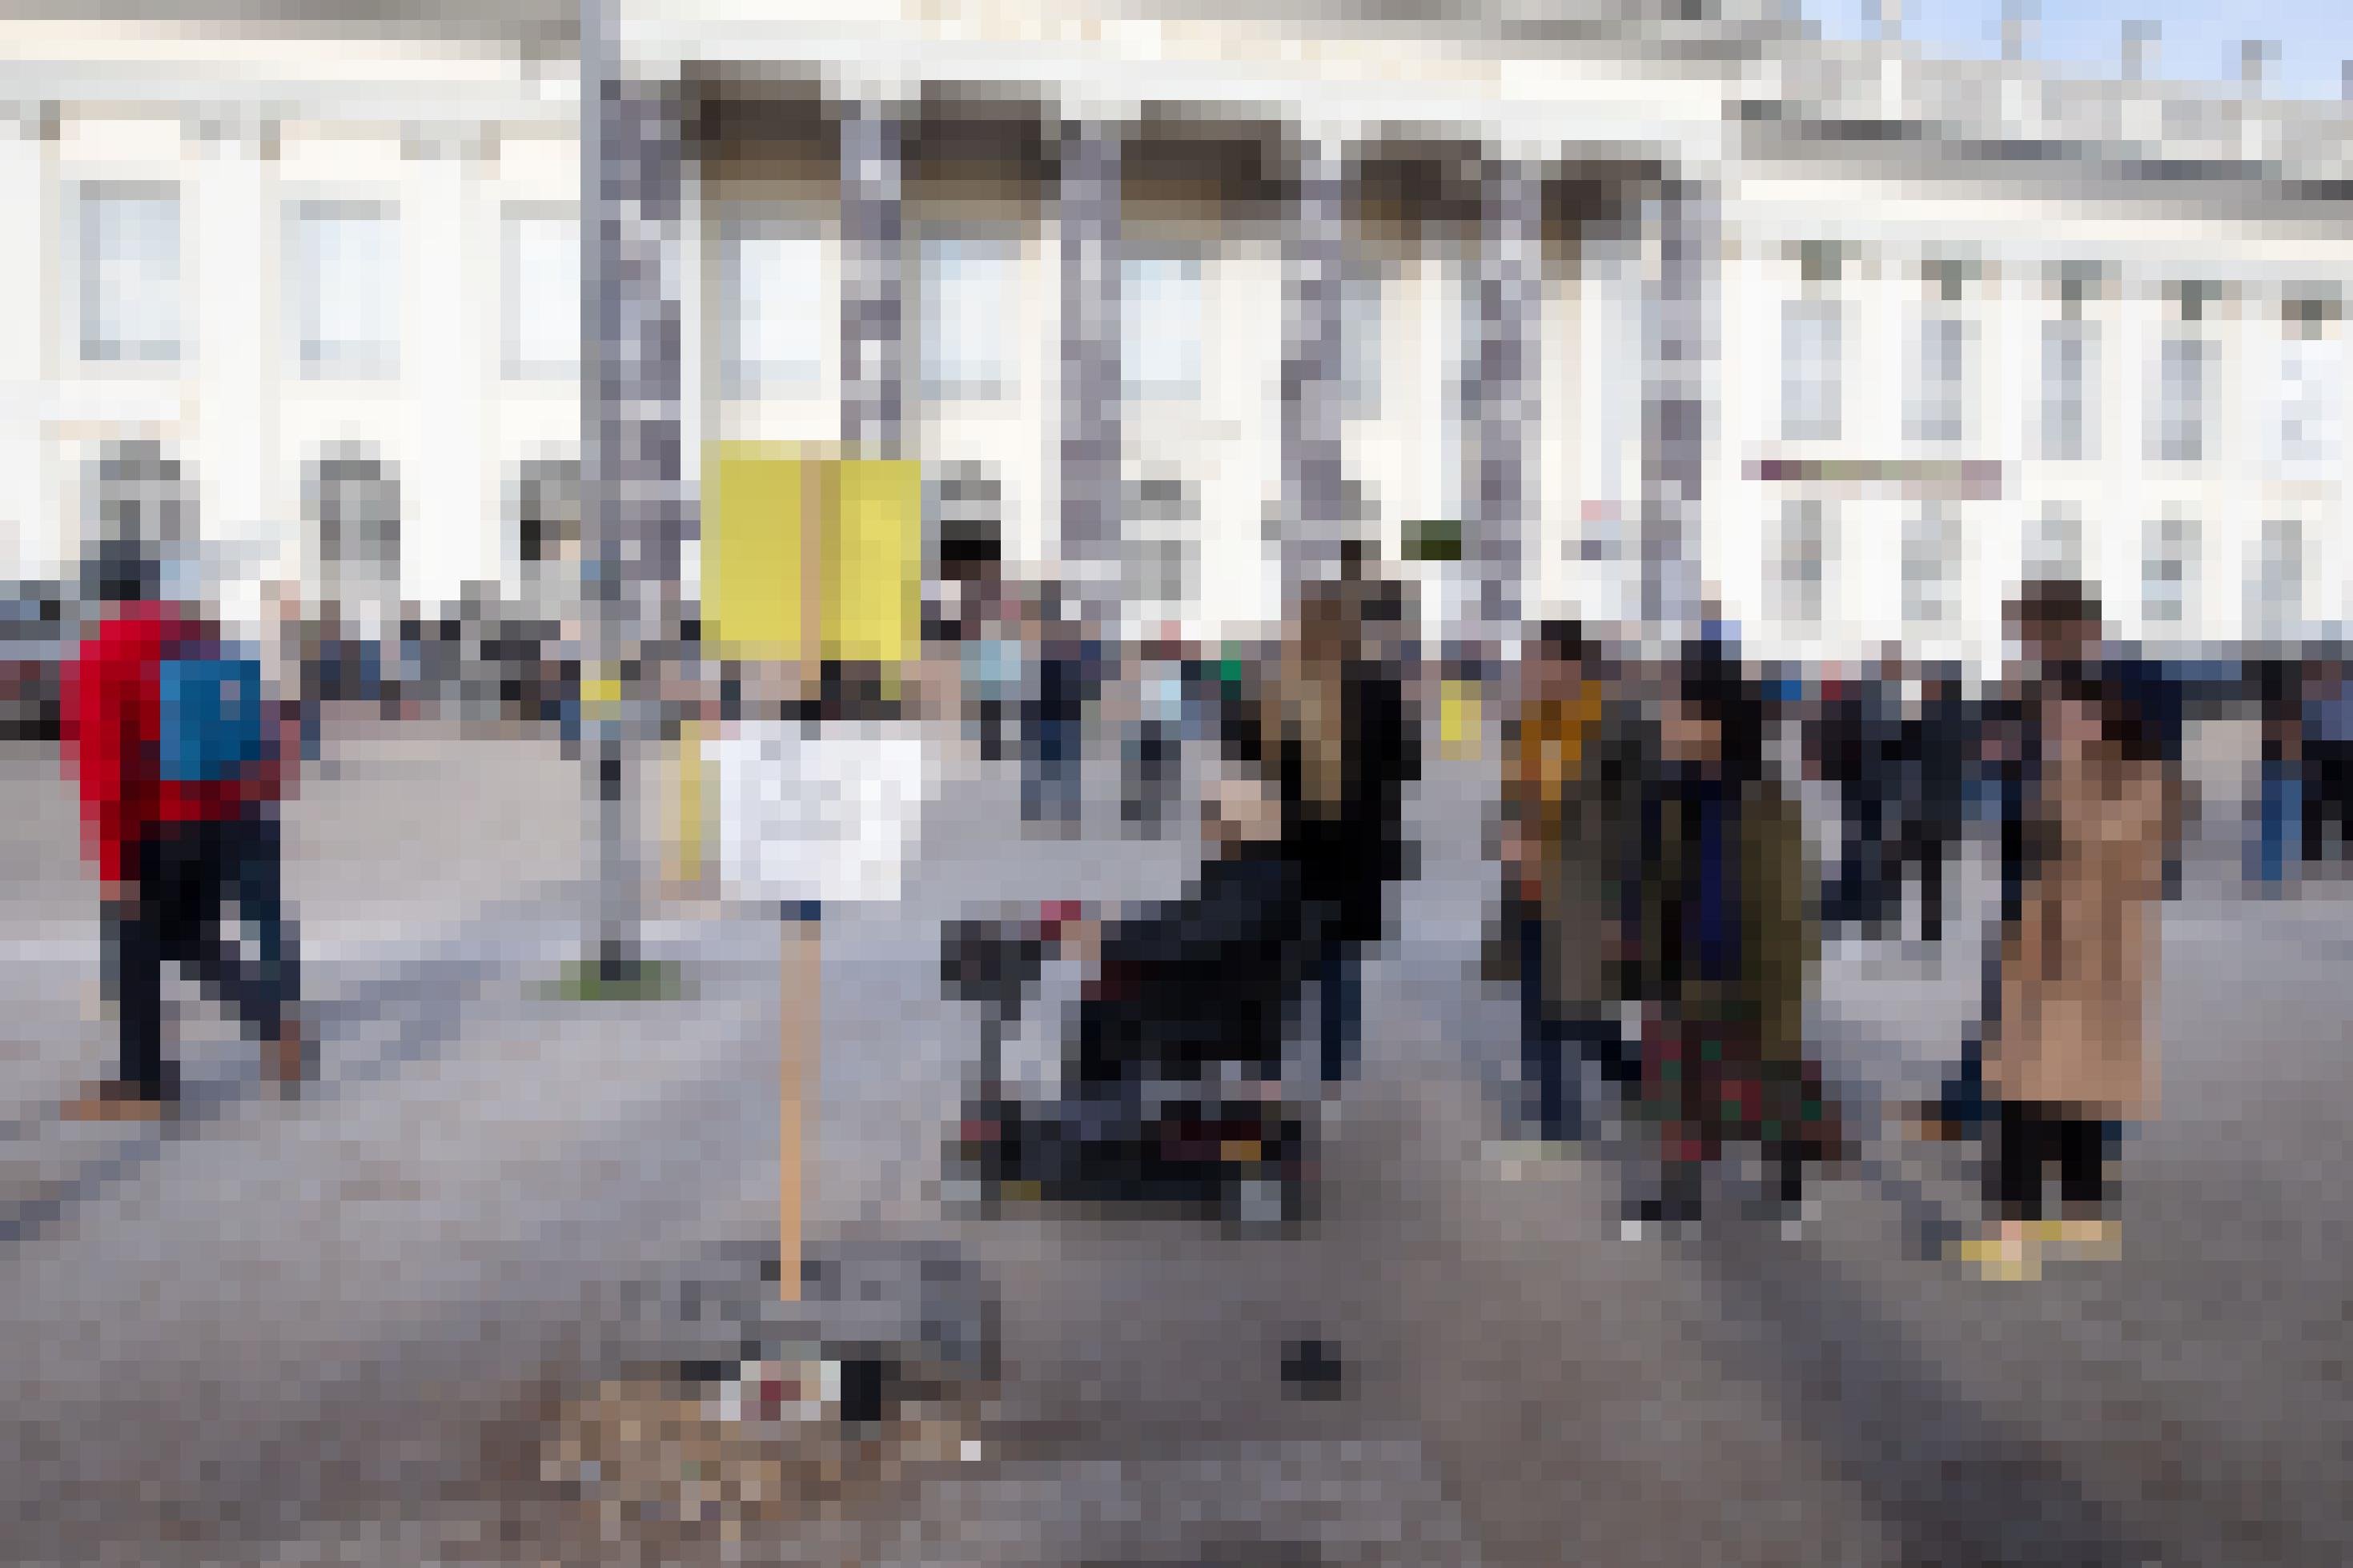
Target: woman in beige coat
x,y
2071,1052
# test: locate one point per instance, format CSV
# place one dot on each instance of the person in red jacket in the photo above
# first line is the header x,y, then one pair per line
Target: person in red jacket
x,y
171,855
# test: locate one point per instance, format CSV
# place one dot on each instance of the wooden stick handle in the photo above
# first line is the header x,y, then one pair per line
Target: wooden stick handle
x,y
801,955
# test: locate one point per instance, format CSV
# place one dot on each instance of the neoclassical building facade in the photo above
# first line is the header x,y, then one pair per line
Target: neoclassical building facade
x,y
1169,303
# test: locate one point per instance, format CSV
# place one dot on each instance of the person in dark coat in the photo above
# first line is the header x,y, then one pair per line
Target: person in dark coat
x,y
1724,951
1338,738
1935,756
1861,747
1212,976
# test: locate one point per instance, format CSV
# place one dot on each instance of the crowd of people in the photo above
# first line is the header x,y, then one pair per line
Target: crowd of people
x,y
1660,907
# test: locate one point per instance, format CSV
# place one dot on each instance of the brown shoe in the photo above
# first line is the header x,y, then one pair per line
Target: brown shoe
x,y
288,1059
1930,1125
114,1100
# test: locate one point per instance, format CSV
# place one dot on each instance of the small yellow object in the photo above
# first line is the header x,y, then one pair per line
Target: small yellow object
x,y
1240,1151
1458,719
2000,1258
2092,1237
1024,1192
600,692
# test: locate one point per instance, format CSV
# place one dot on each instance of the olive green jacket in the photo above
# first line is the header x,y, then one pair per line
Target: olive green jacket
x,y
1779,940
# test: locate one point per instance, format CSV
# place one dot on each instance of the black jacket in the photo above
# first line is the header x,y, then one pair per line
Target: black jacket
x,y
1212,976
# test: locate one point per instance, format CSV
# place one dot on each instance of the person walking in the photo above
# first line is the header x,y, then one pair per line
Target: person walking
x,y
1934,755
2057,626
2329,757
1335,724
1054,715
1154,749
1862,719
1570,801
181,762
2282,777
1725,949
2068,1056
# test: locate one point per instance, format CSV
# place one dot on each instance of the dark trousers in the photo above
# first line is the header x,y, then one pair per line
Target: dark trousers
x,y
1050,792
996,728
188,874
1339,1006
1151,783
2035,1137
1554,1044
1926,847
1859,894
2328,791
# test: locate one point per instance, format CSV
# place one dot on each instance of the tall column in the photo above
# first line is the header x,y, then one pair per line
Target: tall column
x,y
1089,218
633,159
28,524
452,532
633,457
1501,392
873,294
1674,392
1315,500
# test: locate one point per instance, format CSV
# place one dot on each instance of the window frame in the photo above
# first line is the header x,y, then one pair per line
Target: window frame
x,y
378,360
151,355
2051,423
1191,263
515,365
1825,415
740,379
1003,244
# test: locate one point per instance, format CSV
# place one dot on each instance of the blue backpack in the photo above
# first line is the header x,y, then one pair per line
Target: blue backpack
x,y
211,730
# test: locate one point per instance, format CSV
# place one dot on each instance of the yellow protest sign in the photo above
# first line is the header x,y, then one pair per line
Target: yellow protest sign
x,y
874,562
754,501
773,514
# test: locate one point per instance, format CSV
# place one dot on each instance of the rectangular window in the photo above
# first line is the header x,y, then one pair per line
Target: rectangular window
x,y
2071,359
970,298
1799,550
1931,565
2307,432
1938,409
2054,545
1360,341
1161,514
2166,571
346,296
542,288
130,266
2275,586
775,309
1160,352
1813,351
2185,392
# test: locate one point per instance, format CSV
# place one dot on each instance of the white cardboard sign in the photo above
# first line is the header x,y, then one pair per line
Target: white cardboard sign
x,y
828,812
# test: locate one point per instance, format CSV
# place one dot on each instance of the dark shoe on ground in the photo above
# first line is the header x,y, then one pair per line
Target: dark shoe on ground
x,y
114,1100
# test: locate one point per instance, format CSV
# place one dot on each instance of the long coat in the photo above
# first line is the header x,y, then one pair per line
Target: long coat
x,y
2075,972
1779,942
1585,866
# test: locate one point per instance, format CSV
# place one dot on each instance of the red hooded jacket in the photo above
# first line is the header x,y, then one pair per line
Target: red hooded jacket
x,y
110,720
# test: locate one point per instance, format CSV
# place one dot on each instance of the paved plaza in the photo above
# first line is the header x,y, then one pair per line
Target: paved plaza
x,y
281,1332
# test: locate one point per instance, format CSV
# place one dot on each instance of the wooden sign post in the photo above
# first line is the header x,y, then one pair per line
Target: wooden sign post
x,y
813,558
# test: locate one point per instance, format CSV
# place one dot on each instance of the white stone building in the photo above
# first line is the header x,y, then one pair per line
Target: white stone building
x,y
1167,297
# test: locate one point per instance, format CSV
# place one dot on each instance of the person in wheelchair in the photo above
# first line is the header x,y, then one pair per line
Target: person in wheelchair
x,y
1173,1061
1209,978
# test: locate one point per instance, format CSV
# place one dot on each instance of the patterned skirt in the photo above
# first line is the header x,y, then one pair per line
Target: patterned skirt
x,y
1707,1081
